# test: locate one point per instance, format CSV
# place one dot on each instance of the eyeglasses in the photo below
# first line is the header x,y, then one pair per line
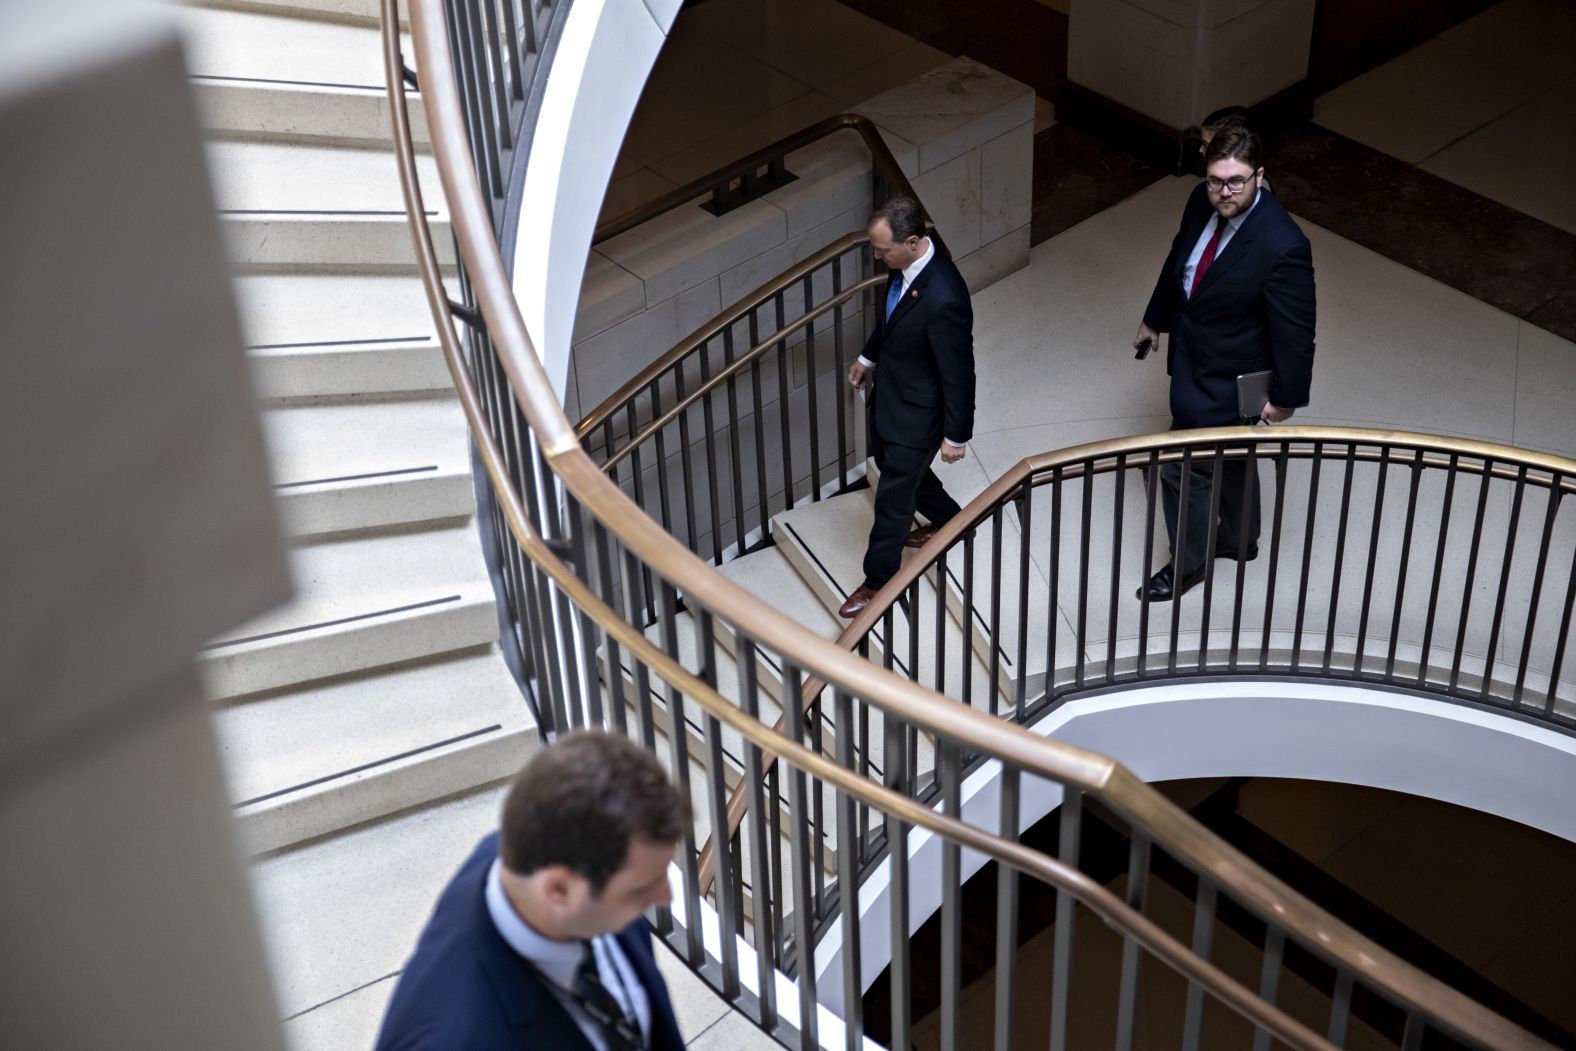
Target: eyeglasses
x,y
1236,184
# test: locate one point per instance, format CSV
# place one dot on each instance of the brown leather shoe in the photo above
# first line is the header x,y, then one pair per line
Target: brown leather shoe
x,y
856,602
919,536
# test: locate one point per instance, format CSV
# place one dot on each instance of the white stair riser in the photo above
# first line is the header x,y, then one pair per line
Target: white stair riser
x,y
234,671
306,242
384,790
353,116
336,508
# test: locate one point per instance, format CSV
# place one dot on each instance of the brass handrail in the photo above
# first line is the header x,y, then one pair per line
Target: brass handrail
x,y
1104,778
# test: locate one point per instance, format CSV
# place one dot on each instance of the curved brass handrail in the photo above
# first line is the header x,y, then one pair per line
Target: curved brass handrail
x,y
1107,780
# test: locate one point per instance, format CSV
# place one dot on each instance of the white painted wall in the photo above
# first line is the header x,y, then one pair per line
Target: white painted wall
x,y
604,57
1437,749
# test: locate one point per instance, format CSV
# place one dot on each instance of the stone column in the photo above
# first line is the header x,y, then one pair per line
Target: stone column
x,y
137,522
1154,68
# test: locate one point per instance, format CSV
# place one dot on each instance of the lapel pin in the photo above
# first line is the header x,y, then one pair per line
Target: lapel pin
x,y
915,293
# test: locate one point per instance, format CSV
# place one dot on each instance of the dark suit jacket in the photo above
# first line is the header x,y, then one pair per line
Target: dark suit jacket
x,y
1254,310
924,387
465,989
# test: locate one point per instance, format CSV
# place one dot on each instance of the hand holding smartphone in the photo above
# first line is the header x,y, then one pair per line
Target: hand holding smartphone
x,y
1143,346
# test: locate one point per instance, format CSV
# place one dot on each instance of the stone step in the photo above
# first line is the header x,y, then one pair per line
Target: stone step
x,y
304,177
307,762
769,575
329,241
362,602
274,45
303,113
283,311
408,438
350,11
364,367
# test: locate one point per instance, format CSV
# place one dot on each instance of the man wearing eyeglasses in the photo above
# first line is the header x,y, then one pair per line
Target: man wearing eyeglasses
x,y
1236,295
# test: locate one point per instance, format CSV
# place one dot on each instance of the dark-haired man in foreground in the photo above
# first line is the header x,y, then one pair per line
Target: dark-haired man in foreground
x,y
1236,294
539,940
922,403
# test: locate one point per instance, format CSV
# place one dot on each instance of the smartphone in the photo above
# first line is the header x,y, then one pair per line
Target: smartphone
x,y
1144,348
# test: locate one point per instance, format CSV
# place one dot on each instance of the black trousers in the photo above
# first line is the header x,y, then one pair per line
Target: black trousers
x,y
907,485
1238,496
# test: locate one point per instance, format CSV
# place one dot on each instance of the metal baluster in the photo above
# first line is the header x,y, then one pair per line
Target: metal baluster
x,y
474,64
1406,559
512,39
1439,567
1556,491
1216,469
1178,554
783,405
664,491
993,680
1203,937
726,877
1069,831
1151,484
1489,658
1137,897
499,76
1471,575
1054,613
950,771
1250,499
813,719
1373,562
640,598
848,877
897,776
813,397
940,683
708,420
1278,517
1006,911
761,495
966,665
1081,624
1340,555
839,370
614,597
590,684
755,804
734,445
1340,1008
800,861
678,753
1412,1036
1025,574
1269,980
1307,555
1120,476
686,467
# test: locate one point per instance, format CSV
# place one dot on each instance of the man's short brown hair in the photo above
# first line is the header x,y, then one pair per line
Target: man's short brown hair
x,y
903,216
579,801
1235,142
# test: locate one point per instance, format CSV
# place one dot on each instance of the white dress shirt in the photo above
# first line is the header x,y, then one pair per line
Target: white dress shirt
x,y
1232,226
910,272
558,961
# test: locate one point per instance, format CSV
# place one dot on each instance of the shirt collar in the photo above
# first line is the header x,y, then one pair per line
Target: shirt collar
x,y
557,960
912,270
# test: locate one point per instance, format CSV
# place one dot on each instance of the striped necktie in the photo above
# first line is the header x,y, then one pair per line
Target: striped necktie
x,y
622,1032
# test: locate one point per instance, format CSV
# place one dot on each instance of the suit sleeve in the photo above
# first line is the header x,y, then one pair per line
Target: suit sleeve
x,y
1289,314
1165,302
952,346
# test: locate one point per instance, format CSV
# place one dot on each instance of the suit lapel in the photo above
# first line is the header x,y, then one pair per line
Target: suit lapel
x,y
531,1008
915,293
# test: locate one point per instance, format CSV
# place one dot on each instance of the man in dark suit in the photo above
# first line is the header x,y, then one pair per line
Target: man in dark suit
x,y
922,400
539,941
1236,294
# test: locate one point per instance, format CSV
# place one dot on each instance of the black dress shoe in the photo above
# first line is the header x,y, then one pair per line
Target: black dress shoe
x,y
1231,553
1161,588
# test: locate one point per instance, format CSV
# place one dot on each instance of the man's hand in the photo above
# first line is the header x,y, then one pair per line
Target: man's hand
x,y
1145,332
856,375
951,453
1275,414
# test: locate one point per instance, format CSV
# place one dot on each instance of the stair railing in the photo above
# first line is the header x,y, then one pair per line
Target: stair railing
x,y
569,527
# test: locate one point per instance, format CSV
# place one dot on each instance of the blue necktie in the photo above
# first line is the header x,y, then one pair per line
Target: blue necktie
x,y
894,295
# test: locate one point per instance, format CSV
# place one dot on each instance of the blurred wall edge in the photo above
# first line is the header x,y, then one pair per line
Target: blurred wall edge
x,y
136,522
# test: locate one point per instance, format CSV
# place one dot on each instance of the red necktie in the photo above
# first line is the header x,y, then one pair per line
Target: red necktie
x,y
1208,257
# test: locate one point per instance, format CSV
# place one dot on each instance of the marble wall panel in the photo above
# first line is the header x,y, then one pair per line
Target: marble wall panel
x,y
990,263
688,246
1006,197
951,110
608,294
951,194
605,361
